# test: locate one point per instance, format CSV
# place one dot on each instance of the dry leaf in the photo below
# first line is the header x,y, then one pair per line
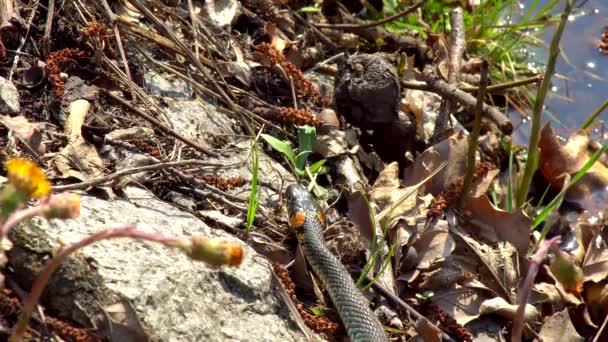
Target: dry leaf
x,y
427,331
557,159
558,327
434,245
565,270
500,263
78,159
453,150
27,131
495,225
388,196
595,264
502,308
462,302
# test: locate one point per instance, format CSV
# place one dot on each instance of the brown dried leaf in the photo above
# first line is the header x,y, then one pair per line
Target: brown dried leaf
x,y
495,225
453,150
489,264
557,159
462,302
559,327
434,245
595,264
386,193
27,131
427,331
502,308
78,159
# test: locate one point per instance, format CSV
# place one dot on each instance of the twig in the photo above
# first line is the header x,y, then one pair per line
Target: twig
x,y
474,136
126,172
472,89
531,162
158,126
389,295
194,20
46,38
454,62
403,13
125,63
504,86
439,86
535,262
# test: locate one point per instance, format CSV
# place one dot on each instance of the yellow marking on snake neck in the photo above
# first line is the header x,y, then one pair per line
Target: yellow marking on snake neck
x,y
297,219
321,217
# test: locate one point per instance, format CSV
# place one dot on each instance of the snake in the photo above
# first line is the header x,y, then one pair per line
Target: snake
x,y
307,220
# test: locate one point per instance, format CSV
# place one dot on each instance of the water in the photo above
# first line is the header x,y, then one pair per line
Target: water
x,y
581,81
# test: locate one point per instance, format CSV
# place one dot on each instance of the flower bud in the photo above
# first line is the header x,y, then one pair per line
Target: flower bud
x,y
214,252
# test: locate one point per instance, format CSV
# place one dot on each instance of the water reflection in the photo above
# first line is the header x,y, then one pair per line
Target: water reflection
x,y
581,83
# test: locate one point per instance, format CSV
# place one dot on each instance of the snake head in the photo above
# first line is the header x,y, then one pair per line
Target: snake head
x,y
300,203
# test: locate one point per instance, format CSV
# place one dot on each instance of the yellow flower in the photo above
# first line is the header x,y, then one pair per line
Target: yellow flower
x,y
27,177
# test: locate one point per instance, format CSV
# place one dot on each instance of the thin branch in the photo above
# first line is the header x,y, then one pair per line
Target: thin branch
x,y
535,262
441,87
457,45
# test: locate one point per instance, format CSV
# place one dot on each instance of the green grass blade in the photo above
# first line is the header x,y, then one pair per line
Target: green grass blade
x,y
254,196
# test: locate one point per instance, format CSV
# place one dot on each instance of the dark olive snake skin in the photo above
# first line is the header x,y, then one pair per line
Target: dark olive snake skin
x,y
360,322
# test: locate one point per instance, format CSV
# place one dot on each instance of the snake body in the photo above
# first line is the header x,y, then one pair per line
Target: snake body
x,y
306,218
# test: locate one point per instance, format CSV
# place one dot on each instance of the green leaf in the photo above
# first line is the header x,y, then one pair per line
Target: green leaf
x,y
317,167
306,139
309,9
280,146
317,311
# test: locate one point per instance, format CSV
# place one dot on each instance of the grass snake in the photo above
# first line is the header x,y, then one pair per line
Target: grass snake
x,y
307,220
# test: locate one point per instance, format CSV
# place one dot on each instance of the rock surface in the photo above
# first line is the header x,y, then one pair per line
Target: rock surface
x,y
9,97
175,298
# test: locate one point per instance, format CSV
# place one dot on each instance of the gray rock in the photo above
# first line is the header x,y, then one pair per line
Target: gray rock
x,y
161,85
200,121
9,97
175,298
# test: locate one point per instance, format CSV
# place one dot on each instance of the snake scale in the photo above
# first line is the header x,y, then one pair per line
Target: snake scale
x,y
306,219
